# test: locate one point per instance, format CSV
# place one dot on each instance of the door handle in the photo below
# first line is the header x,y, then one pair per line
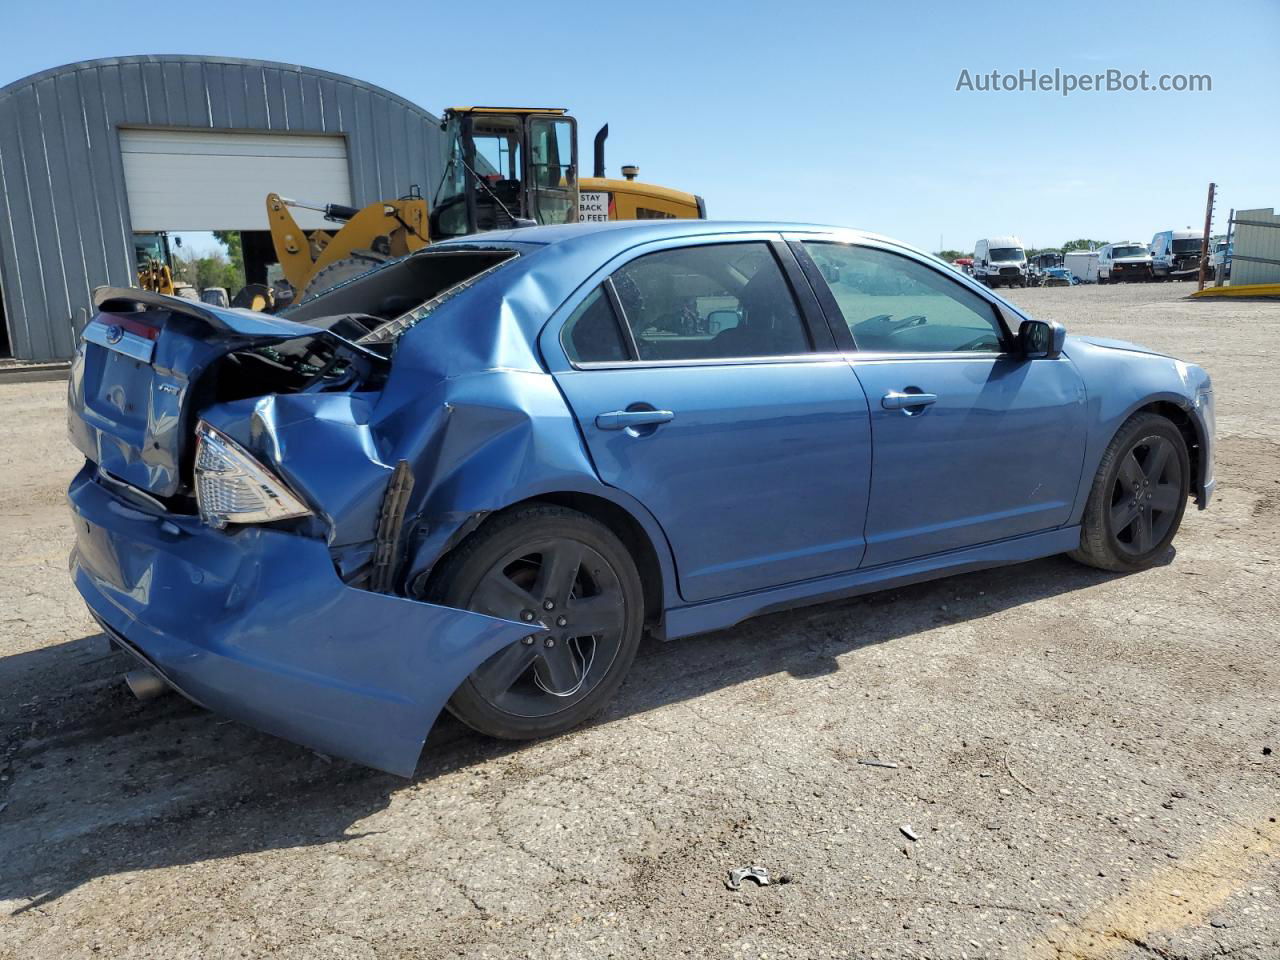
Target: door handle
x,y
622,419
893,400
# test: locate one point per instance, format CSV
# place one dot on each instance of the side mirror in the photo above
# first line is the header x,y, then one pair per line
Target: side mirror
x,y
1041,339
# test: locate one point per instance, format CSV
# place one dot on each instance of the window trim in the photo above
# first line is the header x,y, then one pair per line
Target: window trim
x,y
839,326
620,319
820,339
808,308
709,361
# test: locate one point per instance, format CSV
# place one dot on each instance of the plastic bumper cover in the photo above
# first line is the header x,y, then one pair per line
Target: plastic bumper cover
x,y
256,625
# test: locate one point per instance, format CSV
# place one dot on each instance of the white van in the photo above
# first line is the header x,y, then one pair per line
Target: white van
x,y
1000,262
1126,260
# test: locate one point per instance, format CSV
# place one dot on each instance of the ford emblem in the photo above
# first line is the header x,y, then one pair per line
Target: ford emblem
x,y
115,333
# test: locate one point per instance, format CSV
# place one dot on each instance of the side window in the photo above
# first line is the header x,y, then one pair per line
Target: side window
x,y
896,305
716,301
592,334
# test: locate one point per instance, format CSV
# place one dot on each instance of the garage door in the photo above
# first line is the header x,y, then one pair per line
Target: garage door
x,y
201,180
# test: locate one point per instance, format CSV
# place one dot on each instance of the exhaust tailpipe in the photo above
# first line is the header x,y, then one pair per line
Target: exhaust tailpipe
x,y
146,684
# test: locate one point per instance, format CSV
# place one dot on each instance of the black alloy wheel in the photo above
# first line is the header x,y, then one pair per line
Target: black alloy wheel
x,y
1138,497
1148,490
572,581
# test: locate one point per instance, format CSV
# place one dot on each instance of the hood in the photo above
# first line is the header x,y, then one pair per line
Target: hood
x,y
1114,345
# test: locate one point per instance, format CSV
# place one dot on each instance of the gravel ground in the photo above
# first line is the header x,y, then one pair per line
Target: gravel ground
x,y
1085,761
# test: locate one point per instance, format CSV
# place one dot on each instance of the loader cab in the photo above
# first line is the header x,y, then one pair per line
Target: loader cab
x,y
154,260
152,246
505,167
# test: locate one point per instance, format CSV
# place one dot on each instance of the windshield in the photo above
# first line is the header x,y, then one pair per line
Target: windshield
x,y
1004,254
1131,251
1186,246
149,246
484,151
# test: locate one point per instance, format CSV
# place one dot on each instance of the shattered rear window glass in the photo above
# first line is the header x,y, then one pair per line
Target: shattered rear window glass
x,y
376,307
393,329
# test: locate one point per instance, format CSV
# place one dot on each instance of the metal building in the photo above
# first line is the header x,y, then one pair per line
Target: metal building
x,y
94,152
1255,256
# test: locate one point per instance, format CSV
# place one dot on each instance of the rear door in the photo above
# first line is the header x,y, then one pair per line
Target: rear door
x,y
973,443
707,388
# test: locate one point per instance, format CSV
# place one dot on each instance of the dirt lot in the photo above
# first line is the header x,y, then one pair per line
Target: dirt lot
x,y
1091,763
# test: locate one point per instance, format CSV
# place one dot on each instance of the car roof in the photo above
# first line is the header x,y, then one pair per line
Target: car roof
x,y
617,235
603,241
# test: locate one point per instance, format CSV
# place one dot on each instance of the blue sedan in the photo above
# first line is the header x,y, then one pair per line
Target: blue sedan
x,y
474,477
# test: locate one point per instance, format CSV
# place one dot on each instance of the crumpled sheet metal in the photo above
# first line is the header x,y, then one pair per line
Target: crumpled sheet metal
x,y
323,446
258,627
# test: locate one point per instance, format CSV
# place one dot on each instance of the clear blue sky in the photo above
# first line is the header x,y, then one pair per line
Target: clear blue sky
x,y
837,112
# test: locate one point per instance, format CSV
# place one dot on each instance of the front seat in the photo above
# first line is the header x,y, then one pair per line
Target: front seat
x,y
770,323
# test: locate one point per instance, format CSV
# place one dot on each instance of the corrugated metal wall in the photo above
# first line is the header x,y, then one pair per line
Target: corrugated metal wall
x,y
64,218
1255,247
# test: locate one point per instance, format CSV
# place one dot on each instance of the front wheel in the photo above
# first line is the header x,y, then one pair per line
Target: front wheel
x,y
572,580
1138,497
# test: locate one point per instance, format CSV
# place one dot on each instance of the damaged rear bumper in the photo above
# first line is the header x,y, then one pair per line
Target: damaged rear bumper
x,y
256,625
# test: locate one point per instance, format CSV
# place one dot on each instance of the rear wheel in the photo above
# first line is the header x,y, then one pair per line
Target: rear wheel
x,y
557,569
1138,496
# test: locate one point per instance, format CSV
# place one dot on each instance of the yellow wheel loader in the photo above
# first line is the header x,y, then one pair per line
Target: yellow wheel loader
x,y
505,167
155,262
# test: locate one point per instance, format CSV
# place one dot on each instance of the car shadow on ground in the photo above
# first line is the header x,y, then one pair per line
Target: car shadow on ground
x,y
98,784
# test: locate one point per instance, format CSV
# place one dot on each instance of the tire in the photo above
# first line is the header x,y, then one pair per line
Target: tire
x,y
1146,458
512,567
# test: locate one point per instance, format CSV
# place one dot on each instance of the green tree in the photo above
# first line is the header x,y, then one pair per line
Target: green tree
x,y
234,244
1083,245
950,255
210,270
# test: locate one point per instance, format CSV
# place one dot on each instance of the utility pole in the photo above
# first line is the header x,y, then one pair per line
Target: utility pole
x,y
1208,226
1226,251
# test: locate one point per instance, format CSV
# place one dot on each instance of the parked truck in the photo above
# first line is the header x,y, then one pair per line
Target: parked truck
x,y
1175,254
1127,260
1000,262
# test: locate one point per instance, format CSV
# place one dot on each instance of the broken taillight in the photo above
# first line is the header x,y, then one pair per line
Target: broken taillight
x,y
232,487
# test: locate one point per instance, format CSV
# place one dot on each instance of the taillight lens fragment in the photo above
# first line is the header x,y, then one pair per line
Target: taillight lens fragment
x,y
232,487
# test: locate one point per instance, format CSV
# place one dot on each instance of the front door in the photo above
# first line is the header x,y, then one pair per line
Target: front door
x,y
695,381
973,443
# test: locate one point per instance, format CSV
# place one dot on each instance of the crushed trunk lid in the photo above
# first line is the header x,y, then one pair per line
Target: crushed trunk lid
x,y
135,388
